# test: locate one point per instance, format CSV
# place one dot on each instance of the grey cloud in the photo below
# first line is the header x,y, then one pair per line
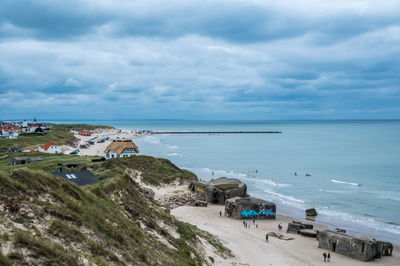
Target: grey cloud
x,y
237,21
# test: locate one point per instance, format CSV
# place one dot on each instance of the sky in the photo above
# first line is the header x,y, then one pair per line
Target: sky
x,y
189,59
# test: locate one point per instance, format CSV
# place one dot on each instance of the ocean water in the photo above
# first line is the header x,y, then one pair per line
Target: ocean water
x,y
354,165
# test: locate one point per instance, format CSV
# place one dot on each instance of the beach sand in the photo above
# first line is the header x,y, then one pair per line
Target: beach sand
x,y
98,148
250,247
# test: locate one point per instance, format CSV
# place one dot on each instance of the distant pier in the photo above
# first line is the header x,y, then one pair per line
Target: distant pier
x,y
215,132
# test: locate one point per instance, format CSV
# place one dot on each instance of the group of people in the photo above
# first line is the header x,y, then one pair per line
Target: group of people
x,y
327,258
307,174
247,225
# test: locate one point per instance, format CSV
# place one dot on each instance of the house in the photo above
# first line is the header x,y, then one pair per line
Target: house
x,y
361,248
9,135
86,133
14,150
50,147
81,178
25,160
119,149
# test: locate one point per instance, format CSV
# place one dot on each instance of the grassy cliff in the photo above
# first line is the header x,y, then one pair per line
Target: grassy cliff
x,y
46,220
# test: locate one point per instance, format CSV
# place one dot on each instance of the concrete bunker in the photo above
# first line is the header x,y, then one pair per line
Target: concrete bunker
x,y
361,248
250,208
219,190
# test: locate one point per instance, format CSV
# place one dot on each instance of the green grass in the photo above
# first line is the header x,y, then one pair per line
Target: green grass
x,y
68,233
155,171
58,136
111,211
4,261
49,253
50,161
78,127
59,133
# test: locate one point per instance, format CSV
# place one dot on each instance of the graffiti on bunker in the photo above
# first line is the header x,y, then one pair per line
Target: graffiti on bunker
x,y
262,212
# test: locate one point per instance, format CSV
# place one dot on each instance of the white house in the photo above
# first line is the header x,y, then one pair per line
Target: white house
x,y
119,149
50,147
10,135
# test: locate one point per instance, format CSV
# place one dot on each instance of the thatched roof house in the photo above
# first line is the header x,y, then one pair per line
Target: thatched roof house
x,y
119,149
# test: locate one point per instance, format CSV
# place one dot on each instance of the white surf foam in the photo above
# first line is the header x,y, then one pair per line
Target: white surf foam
x,y
344,182
353,221
284,196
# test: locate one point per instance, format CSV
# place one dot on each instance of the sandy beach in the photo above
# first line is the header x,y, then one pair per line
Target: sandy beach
x,y
98,148
250,247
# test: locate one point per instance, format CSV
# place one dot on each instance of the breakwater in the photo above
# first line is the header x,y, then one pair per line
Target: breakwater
x,y
216,132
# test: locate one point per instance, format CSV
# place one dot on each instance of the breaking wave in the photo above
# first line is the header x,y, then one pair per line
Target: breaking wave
x,y
344,182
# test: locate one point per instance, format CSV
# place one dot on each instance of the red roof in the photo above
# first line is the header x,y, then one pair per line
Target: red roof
x,y
47,145
85,133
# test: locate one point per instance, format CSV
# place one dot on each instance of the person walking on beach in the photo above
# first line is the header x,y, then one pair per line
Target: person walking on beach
x,y
329,257
254,222
220,213
266,237
257,226
324,256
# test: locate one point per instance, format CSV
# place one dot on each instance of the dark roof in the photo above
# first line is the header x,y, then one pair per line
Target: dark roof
x,y
81,178
69,164
14,150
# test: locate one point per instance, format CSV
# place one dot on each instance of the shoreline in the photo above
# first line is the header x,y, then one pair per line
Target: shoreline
x,y
98,148
250,247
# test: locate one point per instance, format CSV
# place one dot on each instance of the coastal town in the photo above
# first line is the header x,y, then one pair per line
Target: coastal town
x,y
224,198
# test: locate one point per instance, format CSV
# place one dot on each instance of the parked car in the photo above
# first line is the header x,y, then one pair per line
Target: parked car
x,y
74,152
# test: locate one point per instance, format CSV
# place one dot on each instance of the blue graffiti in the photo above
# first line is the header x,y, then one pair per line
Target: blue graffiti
x,y
262,212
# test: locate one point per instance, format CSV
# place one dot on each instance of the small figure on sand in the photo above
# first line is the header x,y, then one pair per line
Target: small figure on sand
x,y
324,256
329,257
220,213
257,226
254,221
279,227
266,237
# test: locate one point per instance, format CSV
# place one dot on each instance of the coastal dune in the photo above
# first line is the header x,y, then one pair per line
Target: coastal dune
x,y
250,247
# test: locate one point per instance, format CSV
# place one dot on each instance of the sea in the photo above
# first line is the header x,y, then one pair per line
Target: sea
x,y
348,170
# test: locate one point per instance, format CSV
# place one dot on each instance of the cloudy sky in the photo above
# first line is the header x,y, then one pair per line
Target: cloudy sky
x,y
188,59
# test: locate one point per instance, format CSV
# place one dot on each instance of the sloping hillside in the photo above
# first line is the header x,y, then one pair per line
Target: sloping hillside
x,y
48,220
